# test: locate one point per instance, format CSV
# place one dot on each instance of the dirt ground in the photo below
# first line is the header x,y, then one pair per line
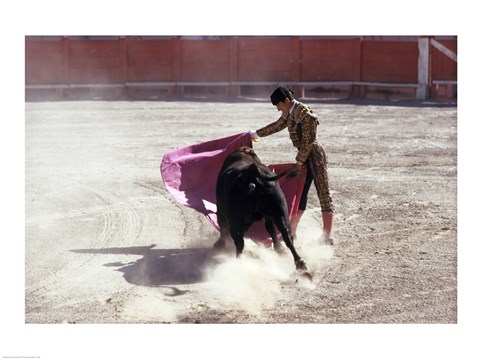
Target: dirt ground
x,y
107,244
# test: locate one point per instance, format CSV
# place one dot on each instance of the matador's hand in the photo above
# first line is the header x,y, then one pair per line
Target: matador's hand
x,y
300,165
254,136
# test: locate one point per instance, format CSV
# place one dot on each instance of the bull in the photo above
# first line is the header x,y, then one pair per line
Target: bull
x,y
248,191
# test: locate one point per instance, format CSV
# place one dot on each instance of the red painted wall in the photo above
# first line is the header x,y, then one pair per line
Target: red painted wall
x,y
150,60
330,60
64,60
444,68
204,60
44,62
99,62
264,59
389,61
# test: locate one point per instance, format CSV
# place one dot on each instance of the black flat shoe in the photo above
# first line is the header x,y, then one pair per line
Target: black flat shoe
x,y
327,242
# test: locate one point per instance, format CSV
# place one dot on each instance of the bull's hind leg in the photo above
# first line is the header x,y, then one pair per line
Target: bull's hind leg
x,y
284,228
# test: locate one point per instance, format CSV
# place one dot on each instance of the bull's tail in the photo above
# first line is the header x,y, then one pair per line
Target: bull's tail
x,y
289,172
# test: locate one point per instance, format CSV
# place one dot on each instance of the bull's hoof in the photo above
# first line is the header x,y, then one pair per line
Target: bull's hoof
x,y
219,245
278,247
301,266
303,270
307,275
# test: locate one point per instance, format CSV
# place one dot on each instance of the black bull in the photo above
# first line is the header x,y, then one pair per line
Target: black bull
x,y
248,191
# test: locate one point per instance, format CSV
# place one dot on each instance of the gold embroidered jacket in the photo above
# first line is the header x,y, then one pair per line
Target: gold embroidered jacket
x,y
302,124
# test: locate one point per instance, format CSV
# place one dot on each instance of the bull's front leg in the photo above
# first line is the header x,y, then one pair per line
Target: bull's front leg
x,y
271,230
223,225
236,232
239,242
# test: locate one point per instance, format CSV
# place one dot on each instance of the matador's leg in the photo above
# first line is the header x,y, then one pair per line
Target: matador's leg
x,y
318,164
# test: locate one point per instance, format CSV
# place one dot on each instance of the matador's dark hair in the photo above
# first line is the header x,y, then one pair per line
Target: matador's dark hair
x,y
280,94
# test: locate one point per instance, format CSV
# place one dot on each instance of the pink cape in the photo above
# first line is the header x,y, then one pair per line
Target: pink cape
x,y
190,175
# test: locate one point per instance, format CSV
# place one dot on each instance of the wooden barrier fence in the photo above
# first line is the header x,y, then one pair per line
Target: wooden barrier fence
x,y
233,65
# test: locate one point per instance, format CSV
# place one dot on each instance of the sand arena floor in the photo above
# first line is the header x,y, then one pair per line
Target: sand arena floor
x,y
106,243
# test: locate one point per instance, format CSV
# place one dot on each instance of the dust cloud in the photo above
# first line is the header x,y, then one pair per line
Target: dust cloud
x,y
254,281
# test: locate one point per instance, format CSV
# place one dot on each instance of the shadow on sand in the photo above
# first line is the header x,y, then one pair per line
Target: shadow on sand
x,y
160,267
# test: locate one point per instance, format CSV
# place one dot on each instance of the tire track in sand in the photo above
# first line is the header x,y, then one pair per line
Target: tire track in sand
x,y
121,227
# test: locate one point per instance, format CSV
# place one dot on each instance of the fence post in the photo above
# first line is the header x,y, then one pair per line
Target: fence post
x,y
358,90
234,90
297,65
177,64
423,67
123,53
65,64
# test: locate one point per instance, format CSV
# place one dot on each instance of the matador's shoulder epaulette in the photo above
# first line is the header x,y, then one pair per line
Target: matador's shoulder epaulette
x,y
302,111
